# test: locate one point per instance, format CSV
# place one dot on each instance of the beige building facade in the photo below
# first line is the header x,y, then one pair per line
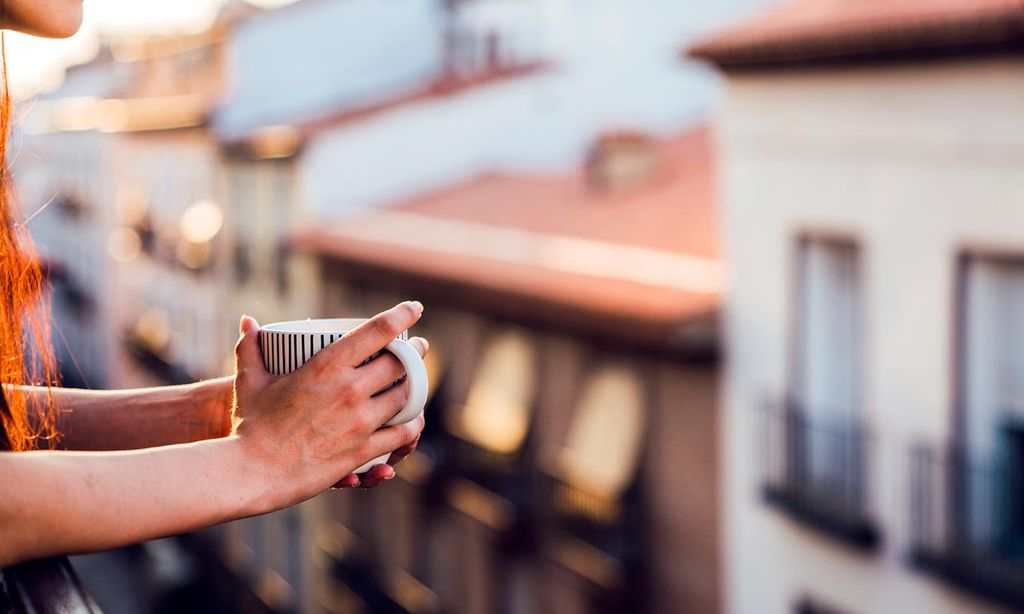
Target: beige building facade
x,y
870,172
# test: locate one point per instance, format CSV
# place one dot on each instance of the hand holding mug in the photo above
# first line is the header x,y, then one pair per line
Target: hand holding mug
x,y
310,427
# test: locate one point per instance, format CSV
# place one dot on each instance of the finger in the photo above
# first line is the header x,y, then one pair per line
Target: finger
x,y
387,404
349,481
401,453
384,440
377,474
386,369
370,337
249,368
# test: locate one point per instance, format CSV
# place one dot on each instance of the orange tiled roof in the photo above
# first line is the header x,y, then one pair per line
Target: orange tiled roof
x,y
647,256
823,30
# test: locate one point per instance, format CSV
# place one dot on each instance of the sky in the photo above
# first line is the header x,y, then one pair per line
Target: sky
x,y
36,64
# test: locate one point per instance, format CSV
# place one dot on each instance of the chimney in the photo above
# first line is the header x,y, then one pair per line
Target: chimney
x,y
621,160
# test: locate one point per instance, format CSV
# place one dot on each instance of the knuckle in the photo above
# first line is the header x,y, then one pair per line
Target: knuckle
x,y
411,430
362,452
317,365
348,393
362,422
408,312
394,366
422,345
384,326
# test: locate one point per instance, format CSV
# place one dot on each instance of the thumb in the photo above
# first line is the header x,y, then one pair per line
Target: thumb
x,y
248,358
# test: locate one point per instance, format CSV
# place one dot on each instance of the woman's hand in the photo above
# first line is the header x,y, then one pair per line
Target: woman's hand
x,y
294,436
309,429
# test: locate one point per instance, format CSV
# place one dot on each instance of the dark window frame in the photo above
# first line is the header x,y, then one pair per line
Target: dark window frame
x,y
957,559
847,519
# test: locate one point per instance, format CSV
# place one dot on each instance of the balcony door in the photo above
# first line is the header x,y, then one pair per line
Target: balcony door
x,y
991,426
828,376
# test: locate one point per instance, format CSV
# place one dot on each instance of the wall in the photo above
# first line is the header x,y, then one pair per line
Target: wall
x,y
456,554
916,163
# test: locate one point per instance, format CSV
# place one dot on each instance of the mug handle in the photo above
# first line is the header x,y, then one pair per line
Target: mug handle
x,y
416,375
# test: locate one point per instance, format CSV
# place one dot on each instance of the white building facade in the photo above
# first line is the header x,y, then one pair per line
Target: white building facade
x,y
872,432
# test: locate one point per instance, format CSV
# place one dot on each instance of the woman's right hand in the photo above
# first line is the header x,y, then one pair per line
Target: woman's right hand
x,y
309,429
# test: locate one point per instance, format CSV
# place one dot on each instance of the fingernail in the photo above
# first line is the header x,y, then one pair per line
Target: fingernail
x,y
243,324
417,307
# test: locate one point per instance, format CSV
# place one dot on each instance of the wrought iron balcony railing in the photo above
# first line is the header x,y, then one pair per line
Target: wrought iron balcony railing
x,y
599,537
816,470
967,521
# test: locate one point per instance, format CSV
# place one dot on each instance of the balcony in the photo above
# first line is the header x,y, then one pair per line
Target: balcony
x,y
47,586
599,537
815,470
967,520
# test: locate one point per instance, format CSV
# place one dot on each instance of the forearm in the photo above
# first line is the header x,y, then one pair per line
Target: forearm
x,y
69,502
138,418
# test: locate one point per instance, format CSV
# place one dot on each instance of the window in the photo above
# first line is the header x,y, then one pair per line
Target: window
x,y
993,351
828,377
992,383
243,197
602,449
498,408
284,210
967,510
592,492
815,440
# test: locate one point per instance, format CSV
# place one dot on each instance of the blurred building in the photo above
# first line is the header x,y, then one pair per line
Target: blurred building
x,y
335,157
873,426
571,459
287,160
135,175
69,197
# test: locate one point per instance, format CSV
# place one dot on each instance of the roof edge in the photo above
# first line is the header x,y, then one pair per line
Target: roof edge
x,y
762,43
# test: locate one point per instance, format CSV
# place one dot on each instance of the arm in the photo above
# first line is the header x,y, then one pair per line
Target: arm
x,y
68,502
139,418
295,436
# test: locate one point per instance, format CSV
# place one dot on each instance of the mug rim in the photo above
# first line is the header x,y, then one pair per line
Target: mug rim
x,y
317,326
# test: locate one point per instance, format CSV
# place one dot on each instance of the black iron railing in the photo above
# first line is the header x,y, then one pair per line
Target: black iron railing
x,y
967,521
816,470
505,475
610,524
599,536
46,586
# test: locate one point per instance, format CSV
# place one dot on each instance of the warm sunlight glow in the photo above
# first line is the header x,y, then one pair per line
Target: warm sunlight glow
x,y
497,411
124,244
36,64
603,446
201,222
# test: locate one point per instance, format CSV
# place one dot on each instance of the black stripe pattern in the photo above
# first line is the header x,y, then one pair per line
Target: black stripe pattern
x,y
284,352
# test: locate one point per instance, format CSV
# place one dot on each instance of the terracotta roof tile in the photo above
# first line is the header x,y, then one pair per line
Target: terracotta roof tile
x,y
646,255
832,30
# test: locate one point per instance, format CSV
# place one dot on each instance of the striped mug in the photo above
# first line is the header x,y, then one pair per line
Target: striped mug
x,y
287,345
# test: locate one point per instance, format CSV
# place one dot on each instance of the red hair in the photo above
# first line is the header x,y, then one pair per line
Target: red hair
x,y
23,313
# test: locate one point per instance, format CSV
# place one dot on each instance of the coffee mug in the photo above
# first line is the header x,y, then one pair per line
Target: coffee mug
x,y
286,346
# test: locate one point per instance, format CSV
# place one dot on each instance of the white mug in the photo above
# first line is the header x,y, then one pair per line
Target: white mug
x,y
287,345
